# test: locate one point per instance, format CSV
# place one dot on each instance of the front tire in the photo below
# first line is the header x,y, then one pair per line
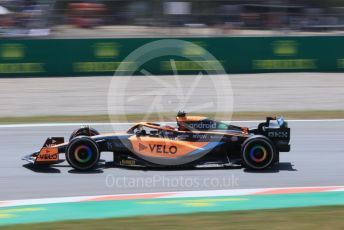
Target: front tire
x,y
258,153
83,131
82,153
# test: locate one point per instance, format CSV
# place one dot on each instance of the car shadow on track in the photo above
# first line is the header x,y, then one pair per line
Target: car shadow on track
x,y
170,168
93,171
282,166
56,169
41,168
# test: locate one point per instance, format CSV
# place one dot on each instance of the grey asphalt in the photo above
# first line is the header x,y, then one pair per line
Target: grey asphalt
x,y
316,159
248,92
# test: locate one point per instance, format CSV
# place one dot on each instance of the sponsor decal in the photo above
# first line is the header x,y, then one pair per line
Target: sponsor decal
x,y
285,48
340,63
142,147
15,52
200,136
127,162
164,149
22,68
278,134
285,64
183,136
102,66
12,51
106,50
103,50
191,65
48,156
202,125
194,50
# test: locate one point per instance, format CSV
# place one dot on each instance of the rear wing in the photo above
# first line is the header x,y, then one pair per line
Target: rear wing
x,y
277,131
279,121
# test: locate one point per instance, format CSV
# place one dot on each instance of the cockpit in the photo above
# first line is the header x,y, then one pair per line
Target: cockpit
x,y
198,123
184,123
151,129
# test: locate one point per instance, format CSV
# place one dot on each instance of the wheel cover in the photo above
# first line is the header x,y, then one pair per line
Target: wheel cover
x,y
83,153
258,154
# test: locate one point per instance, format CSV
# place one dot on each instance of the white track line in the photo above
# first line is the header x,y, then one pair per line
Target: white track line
x,y
131,123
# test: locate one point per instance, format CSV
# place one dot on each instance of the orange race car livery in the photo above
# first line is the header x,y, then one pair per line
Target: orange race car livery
x,y
195,141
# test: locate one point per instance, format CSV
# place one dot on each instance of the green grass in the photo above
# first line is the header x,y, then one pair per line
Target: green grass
x,y
326,114
311,218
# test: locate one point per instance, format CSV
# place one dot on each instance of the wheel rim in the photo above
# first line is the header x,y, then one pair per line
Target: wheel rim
x,y
83,154
258,153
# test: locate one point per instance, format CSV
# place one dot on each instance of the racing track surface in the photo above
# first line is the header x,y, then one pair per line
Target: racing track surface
x,y
316,159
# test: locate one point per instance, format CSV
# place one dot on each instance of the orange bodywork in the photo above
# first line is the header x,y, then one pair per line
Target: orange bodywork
x,y
165,148
48,154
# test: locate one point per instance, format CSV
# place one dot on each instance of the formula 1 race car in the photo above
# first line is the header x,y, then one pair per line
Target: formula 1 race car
x,y
195,141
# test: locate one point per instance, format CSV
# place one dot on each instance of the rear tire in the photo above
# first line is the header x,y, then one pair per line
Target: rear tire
x,y
82,153
83,131
258,153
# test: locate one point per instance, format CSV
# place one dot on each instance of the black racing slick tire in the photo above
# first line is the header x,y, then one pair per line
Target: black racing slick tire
x,y
83,131
82,153
258,153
